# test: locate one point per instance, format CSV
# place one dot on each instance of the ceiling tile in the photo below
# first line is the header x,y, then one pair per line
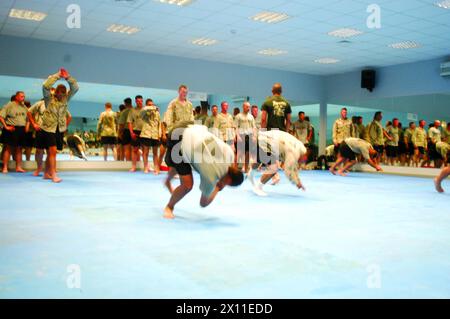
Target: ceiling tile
x,y
167,29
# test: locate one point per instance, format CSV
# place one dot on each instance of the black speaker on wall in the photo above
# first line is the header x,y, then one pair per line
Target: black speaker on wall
x,y
368,79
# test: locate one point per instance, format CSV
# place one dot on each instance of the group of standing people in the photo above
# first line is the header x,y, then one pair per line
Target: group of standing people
x,y
45,123
395,145
255,140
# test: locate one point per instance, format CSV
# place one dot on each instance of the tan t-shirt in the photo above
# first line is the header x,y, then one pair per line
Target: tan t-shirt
x,y
446,136
341,130
225,124
135,120
245,124
301,130
151,118
208,155
106,125
123,117
359,146
375,133
37,111
56,112
394,133
408,135
434,134
419,137
177,112
443,148
14,114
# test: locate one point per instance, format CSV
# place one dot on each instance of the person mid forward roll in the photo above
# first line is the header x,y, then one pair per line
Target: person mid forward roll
x,y
347,155
277,146
192,146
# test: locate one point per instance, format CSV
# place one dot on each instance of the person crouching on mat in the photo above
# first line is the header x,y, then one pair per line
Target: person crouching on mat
x,y
347,155
76,146
192,146
278,146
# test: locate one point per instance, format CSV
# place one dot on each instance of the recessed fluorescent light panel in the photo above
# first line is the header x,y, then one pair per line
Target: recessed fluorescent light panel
x,y
327,61
404,45
272,52
443,4
181,3
345,33
270,17
204,41
27,15
120,28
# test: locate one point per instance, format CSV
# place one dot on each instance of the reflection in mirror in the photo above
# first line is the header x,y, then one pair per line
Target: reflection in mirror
x,y
406,131
399,143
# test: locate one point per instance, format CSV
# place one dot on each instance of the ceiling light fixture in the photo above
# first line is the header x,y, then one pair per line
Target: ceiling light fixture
x,y
327,60
270,17
404,45
204,41
443,4
120,28
181,3
27,15
272,52
345,33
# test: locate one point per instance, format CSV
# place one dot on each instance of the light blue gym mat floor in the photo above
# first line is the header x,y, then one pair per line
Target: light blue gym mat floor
x,y
364,236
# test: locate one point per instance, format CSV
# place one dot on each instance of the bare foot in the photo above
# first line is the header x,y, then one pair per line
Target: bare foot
x,y
36,173
132,170
168,213
156,172
342,173
56,179
5,171
146,171
438,186
332,171
20,170
47,176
